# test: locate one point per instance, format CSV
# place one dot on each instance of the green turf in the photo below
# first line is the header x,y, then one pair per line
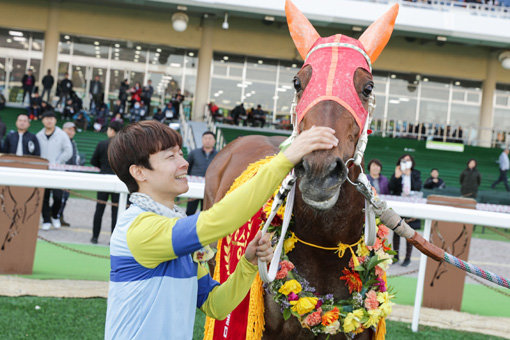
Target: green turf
x,y
59,318
489,234
477,299
52,262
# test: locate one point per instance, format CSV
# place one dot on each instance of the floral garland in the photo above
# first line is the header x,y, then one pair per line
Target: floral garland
x,y
365,278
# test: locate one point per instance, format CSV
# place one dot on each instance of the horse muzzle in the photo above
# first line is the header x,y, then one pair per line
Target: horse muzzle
x,y
320,185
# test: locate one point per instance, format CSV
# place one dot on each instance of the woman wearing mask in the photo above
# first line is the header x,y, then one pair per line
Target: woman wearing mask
x,y
470,180
404,182
377,180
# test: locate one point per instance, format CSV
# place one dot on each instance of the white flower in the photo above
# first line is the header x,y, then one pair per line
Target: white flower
x,y
381,255
332,328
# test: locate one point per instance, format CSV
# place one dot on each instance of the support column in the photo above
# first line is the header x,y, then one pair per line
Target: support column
x,y
205,56
487,108
51,38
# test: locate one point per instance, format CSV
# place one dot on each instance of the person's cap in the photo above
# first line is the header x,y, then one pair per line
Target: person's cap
x,y
69,125
48,114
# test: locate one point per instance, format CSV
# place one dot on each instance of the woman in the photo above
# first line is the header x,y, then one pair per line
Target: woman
x,y
378,181
470,180
404,181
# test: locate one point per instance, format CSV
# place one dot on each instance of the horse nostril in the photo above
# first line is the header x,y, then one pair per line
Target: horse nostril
x,y
337,168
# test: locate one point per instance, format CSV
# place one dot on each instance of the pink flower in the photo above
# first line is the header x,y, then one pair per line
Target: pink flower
x,y
381,284
313,319
383,231
319,304
286,265
379,272
371,300
293,297
377,245
282,273
361,259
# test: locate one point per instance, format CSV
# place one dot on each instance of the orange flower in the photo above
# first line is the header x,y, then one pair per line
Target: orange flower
x,y
371,300
379,272
329,317
383,231
352,280
377,244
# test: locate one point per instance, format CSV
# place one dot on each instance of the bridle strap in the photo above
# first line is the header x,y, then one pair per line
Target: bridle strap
x,y
343,45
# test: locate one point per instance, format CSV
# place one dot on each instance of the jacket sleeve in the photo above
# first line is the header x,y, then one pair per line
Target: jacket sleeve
x,y
66,148
461,179
416,180
37,150
428,183
394,185
95,157
191,160
217,301
7,144
154,239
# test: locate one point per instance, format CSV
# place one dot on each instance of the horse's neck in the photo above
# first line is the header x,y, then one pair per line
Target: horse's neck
x,y
342,223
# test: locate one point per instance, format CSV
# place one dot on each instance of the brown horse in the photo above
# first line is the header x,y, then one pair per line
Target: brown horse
x,y
327,209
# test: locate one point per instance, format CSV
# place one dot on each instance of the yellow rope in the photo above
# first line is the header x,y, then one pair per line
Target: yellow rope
x,y
341,248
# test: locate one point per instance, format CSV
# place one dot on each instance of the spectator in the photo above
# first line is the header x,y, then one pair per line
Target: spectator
x,y
66,87
118,108
238,112
45,107
199,160
378,181
504,165
96,93
259,116
70,109
147,93
470,180
177,100
137,112
47,83
101,116
159,116
136,94
22,142
404,182
56,148
123,93
81,120
100,160
434,181
2,101
169,111
3,130
70,129
28,83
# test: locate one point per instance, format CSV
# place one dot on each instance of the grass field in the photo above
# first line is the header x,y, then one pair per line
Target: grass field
x,y
58,318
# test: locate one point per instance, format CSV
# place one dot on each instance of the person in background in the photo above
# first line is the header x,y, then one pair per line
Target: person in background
x,y
81,120
66,87
136,94
47,83
96,93
259,116
199,160
504,165
169,111
176,103
123,94
470,180
118,109
22,142
28,83
3,130
238,112
404,182
57,149
70,129
70,109
35,106
137,112
45,107
378,181
100,160
147,93
159,116
434,181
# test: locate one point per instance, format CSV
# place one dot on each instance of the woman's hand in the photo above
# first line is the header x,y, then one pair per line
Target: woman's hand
x,y
315,138
398,172
259,248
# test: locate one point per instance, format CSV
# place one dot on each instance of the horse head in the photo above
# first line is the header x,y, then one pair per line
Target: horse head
x,y
333,89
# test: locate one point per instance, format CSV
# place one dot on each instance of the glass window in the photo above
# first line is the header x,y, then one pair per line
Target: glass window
x,y
225,93
116,77
402,108
14,39
435,90
63,68
285,91
465,115
19,68
79,81
35,66
403,87
501,100
433,111
502,117
380,84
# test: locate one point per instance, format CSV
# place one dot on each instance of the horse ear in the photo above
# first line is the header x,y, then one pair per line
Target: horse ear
x,y
377,35
301,30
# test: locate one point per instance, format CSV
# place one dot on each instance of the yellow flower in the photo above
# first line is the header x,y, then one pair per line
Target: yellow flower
x,y
352,320
304,305
381,255
291,286
383,297
332,328
289,243
373,318
385,309
362,249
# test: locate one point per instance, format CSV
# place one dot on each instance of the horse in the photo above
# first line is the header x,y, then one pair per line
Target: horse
x,y
327,209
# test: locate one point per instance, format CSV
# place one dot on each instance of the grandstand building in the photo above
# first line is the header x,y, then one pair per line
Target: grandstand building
x,y
443,68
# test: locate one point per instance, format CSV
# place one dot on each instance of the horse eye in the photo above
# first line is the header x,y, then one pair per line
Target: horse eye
x,y
368,89
297,84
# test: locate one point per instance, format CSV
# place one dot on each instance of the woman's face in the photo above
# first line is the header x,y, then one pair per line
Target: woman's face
x,y
471,164
375,169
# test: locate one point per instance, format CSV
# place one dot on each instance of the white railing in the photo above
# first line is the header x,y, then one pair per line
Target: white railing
x,y
111,183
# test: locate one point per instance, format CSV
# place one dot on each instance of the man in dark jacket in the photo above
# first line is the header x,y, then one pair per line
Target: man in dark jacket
x,y
123,93
22,142
434,181
47,83
238,112
199,160
100,159
96,93
470,180
27,83
147,93
66,87
3,130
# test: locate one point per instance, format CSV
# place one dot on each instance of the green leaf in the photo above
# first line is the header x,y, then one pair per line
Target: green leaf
x,y
359,268
286,314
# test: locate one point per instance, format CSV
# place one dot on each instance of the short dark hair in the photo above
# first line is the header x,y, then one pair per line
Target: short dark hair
x,y
116,125
209,133
412,160
135,143
23,114
374,161
434,169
